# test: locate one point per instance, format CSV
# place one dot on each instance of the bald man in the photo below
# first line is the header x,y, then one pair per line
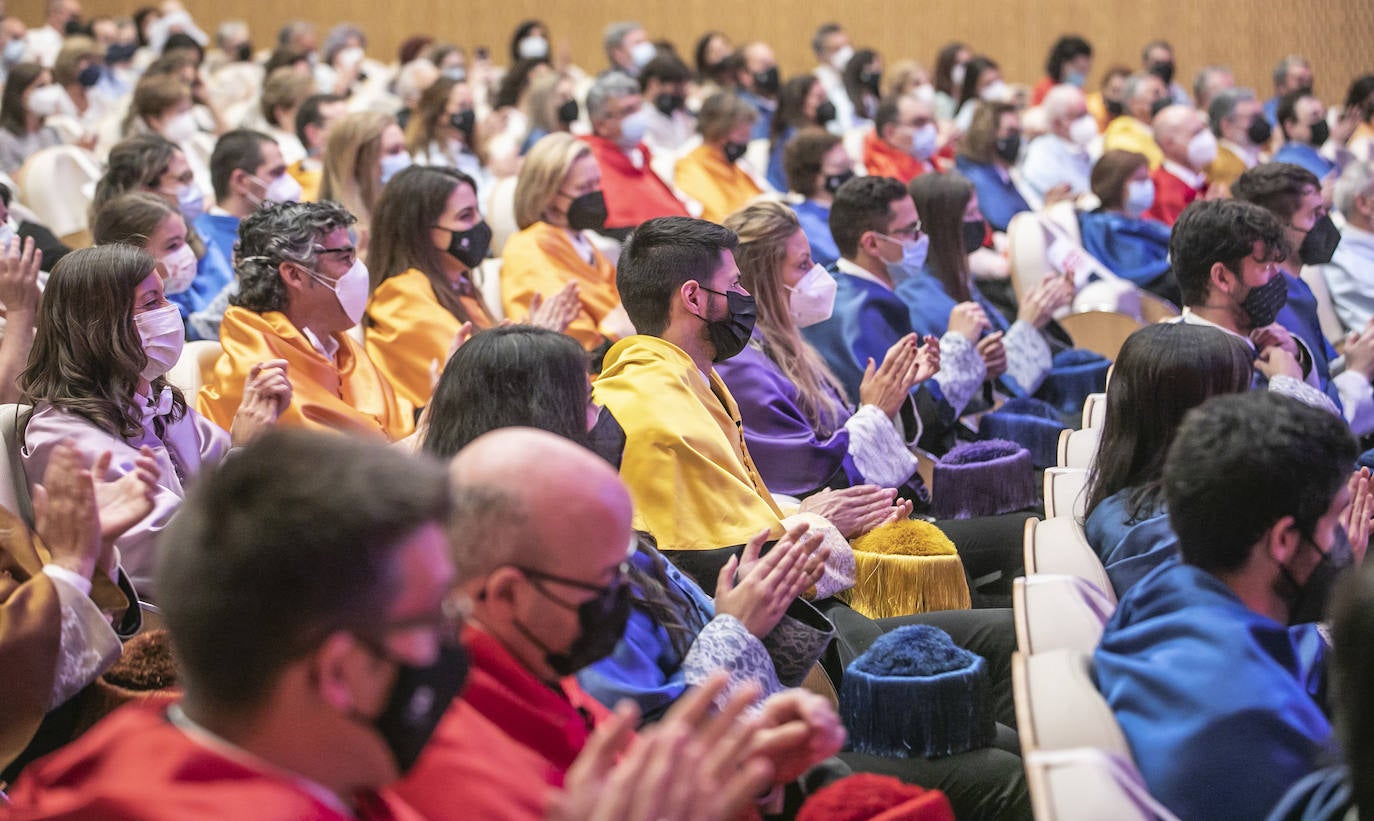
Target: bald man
x,y
541,534
1189,147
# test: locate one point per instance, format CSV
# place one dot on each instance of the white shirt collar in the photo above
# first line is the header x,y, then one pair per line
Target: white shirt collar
x,y
1194,179
1190,318
845,266
329,346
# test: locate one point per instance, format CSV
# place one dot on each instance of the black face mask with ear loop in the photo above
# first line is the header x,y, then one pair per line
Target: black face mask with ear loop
x,y
1307,602
418,699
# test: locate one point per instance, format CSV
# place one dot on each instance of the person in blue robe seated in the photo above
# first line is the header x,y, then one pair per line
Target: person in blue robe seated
x,y
1301,119
1163,371
1117,235
878,233
801,104
1023,357
986,157
1293,195
1220,700
817,164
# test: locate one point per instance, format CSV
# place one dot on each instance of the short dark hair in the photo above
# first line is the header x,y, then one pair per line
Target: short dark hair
x,y
659,257
862,204
666,67
1277,187
889,108
1225,231
1359,96
309,112
822,32
1352,677
1287,110
1112,172
1243,461
290,540
1066,48
275,233
802,156
237,150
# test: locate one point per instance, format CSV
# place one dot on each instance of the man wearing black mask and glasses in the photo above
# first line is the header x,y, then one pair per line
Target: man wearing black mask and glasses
x,y
759,82
1221,701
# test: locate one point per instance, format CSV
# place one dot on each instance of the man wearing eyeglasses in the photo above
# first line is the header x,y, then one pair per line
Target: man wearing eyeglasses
x,y
301,288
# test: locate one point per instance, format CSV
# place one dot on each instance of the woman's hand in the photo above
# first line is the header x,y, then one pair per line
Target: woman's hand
x,y
266,394
557,312
124,502
766,588
969,320
65,513
1049,295
993,353
1356,516
19,264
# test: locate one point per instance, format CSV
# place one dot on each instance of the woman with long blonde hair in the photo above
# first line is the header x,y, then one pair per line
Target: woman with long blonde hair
x,y
364,151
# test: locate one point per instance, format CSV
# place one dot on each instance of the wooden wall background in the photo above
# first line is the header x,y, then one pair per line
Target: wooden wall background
x,y
1248,35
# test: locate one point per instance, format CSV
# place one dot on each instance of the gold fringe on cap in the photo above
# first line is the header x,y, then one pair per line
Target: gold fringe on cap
x,y
907,567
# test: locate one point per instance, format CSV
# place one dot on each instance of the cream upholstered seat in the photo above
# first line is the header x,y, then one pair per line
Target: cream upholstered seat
x,y
1054,611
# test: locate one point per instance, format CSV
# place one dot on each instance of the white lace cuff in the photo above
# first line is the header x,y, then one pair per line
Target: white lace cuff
x,y
726,644
1028,356
878,449
839,568
1303,392
961,371
76,580
88,645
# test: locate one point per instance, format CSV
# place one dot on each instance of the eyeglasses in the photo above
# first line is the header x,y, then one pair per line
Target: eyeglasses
x,y
622,572
911,232
448,621
347,253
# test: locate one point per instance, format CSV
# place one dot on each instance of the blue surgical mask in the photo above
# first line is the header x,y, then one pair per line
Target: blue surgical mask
x,y
913,258
1076,78
393,164
1140,196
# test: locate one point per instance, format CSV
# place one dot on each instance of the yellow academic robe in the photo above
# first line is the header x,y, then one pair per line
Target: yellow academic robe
x,y
1126,133
691,479
722,187
409,331
1226,168
348,394
309,179
542,260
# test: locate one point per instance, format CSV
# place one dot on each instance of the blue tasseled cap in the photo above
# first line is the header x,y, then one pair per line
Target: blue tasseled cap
x,y
1029,422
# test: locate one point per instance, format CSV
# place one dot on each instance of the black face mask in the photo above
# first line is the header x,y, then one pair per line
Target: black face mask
x,y
1262,304
825,112
974,232
418,700
469,247
464,121
834,181
668,103
567,112
74,27
1159,105
587,212
1320,242
600,622
1307,602
1115,108
1009,148
1259,131
244,52
1164,71
1321,132
870,80
766,81
89,76
734,150
731,334
120,53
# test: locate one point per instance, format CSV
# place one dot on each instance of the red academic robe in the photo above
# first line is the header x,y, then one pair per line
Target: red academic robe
x,y
509,724
1172,195
136,764
882,160
632,194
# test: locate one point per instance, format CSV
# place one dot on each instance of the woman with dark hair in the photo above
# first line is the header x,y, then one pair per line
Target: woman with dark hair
x,y
951,64
30,96
1116,233
986,157
1163,371
711,58
428,236
442,131
863,79
801,103
817,164
1020,355
530,41
106,338
982,83
1069,61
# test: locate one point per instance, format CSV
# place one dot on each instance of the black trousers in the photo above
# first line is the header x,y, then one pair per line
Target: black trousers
x,y
989,545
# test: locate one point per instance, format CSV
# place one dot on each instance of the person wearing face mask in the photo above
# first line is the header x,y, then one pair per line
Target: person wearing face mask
x,y
951,64
341,60
831,46
304,711
711,174
1188,147
987,157
801,104
1059,160
363,151
633,192
443,131
1117,234
903,139
553,260
1105,104
78,72
1069,62
668,123
301,288
817,164
549,107
628,49
1292,73
1144,96
757,83
1349,275
97,376
29,97
1294,197
317,113
1157,58
429,238
863,80
1242,134
1199,662
983,83
162,105
248,171
1302,123
530,41
878,233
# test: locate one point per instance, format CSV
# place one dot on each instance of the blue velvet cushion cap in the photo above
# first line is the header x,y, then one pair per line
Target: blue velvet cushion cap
x,y
1029,422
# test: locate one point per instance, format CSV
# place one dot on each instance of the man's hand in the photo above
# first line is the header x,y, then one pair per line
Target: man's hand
x,y
800,729
856,510
1274,362
887,386
1274,336
1355,518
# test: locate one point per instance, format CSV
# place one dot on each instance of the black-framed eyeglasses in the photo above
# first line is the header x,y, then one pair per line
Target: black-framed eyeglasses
x,y
347,253
537,576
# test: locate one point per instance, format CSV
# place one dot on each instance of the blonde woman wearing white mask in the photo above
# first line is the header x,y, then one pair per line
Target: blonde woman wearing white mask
x,y
29,98
105,340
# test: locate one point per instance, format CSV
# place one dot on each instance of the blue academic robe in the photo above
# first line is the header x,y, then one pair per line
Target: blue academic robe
x,y
1133,249
1299,316
815,223
1306,156
777,177
1129,549
1219,704
998,199
766,109
213,274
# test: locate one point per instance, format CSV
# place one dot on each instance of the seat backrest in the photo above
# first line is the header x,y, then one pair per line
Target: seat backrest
x,y
55,182
1331,325
196,361
1064,492
1027,249
1078,448
1102,332
1059,708
500,213
1058,546
1094,410
14,482
487,278
1054,612
1084,784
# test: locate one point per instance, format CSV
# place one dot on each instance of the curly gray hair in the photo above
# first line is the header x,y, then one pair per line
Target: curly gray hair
x,y
277,233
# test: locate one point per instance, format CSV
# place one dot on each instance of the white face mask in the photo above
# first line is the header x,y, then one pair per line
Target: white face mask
x,y
924,141
181,128
349,57
642,53
995,92
393,164
925,93
632,129
162,335
1140,195
1202,149
533,47
812,299
45,101
281,189
350,289
841,58
190,201
1083,130
181,270
956,74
